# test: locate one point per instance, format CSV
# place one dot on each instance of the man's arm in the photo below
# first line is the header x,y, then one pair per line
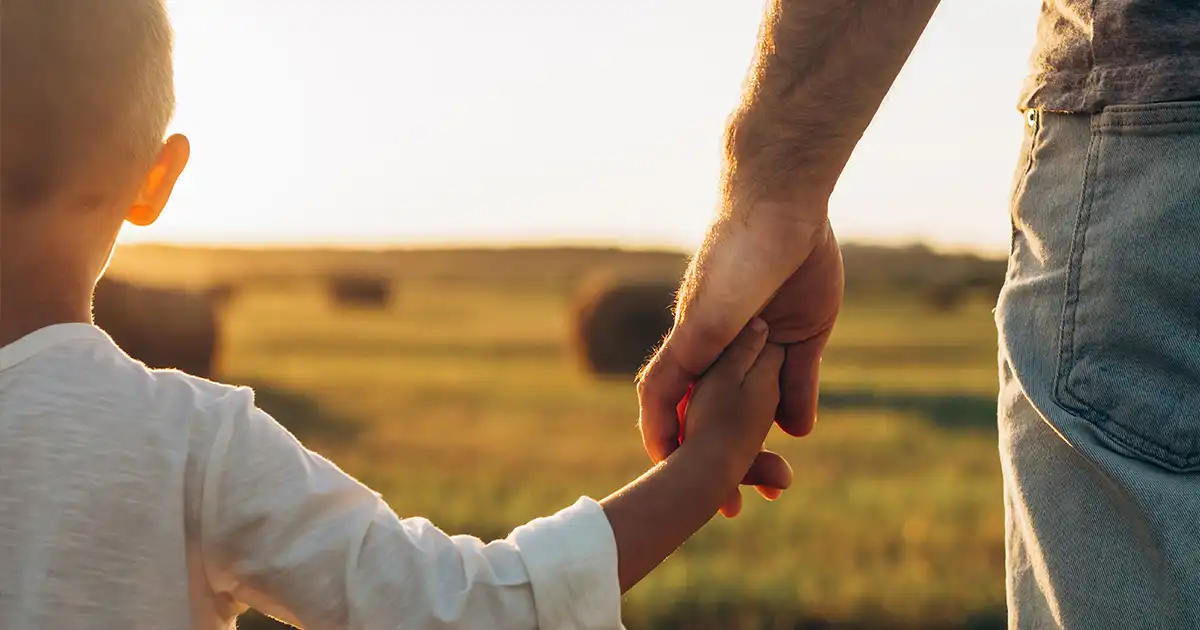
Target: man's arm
x,y
820,73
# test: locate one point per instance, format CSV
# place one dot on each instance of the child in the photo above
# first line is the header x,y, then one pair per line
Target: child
x,y
132,498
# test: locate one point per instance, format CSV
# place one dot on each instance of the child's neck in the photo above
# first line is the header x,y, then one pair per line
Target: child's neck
x,y
24,309
42,283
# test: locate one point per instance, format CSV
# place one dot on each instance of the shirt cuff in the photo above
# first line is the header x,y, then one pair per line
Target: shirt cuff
x,y
571,558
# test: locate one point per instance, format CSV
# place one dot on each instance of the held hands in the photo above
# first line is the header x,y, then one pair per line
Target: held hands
x,y
726,421
730,411
787,271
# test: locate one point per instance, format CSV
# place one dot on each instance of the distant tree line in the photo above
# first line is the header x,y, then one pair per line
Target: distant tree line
x,y
944,281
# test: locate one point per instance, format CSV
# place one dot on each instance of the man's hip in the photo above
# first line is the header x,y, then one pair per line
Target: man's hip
x,y
1099,326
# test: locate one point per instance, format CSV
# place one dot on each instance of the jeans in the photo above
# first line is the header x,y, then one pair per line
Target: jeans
x,y
1099,408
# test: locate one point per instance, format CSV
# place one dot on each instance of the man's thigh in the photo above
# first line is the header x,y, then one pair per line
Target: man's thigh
x,y
1099,326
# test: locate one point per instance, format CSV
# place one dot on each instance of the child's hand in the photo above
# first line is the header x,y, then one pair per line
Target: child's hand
x,y
732,407
730,411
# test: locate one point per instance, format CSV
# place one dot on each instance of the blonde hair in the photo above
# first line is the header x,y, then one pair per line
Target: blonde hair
x,y
86,93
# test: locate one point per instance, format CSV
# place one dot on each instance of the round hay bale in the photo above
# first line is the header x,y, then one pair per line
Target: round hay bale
x,y
222,293
619,325
947,297
361,291
987,284
163,328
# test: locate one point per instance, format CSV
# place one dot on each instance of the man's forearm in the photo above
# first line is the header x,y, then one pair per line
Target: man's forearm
x,y
821,71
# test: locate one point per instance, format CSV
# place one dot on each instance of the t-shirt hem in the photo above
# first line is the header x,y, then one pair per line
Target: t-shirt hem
x,y
1090,92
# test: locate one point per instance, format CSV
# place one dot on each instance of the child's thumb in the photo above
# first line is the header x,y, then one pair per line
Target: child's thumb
x,y
763,377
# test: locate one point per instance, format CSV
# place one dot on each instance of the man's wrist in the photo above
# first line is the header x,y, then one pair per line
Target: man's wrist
x,y
792,218
776,169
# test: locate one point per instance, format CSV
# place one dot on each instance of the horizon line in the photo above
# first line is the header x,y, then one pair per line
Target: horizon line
x,y
501,244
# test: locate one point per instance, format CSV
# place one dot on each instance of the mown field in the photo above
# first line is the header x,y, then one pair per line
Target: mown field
x,y
464,402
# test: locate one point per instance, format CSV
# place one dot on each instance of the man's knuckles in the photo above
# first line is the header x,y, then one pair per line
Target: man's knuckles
x,y
808,302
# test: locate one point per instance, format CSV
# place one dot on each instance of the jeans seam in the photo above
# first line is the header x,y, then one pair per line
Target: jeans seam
x,y
1024,182
1022,185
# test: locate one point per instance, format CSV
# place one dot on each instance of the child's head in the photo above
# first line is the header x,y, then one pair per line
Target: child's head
x,y
86,93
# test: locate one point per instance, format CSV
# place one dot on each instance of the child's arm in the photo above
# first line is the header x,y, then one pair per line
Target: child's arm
x,y
281,529
728,417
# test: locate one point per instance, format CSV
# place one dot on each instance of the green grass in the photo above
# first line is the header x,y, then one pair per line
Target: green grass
x,y
464,403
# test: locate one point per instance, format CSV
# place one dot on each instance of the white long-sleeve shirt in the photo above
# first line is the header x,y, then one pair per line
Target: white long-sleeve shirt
x,y
132,498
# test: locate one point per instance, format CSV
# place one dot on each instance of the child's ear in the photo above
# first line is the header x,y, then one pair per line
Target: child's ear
x,y
159,181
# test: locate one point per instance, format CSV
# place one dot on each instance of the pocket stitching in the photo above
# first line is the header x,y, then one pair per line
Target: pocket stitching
x,y
1063,393
1125,117
1148,124
1066,331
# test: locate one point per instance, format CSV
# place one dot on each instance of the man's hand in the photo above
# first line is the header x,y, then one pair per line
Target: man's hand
x,y
788,273
820,73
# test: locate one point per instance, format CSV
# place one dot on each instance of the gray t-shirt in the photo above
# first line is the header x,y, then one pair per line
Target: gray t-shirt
x,y
1093,53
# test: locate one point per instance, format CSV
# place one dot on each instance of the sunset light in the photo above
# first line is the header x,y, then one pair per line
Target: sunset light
x,y
538,121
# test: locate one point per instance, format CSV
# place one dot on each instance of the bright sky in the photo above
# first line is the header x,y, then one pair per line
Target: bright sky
x,y
402,121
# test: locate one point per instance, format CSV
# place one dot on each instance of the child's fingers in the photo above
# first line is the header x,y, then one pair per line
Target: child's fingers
x,y
739,357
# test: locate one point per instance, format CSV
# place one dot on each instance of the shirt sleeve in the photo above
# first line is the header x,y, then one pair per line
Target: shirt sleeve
x,y
285,531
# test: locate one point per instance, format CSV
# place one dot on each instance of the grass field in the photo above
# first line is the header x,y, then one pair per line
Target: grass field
x,y
464,403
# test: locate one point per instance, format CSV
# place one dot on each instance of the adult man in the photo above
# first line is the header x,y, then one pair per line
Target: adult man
x,y
1099,320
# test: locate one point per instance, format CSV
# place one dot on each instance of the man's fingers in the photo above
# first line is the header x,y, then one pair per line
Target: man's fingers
x,y
769,470
661,388
799,384
769,493
733,505
741,355
770,474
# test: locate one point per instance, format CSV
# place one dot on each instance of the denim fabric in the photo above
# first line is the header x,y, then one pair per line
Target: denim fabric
x,y
1099,329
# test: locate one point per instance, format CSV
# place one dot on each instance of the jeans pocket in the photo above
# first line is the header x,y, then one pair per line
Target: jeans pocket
x,y
1129,360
